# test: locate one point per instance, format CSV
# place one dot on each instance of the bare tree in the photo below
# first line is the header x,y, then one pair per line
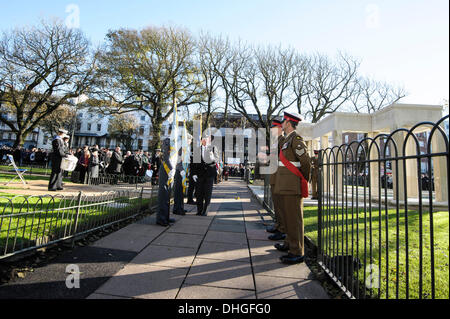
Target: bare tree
x,y
260,80
41,68
144,70
331,85
371,96
213,62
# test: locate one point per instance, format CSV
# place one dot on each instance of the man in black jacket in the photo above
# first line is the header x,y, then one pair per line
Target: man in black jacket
x,y
59,152
204,174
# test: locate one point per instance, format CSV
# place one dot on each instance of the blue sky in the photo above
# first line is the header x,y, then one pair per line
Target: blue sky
x,y
405,42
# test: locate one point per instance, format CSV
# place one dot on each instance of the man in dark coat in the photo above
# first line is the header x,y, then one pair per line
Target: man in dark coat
x,y
59,152
204,174
115,166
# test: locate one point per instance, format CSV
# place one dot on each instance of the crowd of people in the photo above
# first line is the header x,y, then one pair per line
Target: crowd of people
x,y
94,161
23,156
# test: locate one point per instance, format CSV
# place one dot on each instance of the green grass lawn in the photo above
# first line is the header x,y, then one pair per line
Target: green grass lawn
x,y
392,273
17,183
24,222
31,170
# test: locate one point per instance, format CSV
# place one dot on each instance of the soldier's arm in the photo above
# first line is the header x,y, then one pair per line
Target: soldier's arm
x,y
301,152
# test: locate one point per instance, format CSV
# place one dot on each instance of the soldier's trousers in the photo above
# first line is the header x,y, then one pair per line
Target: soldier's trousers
x,y
55,181
279,218
163,213
178,197
292,208
191,189
204,193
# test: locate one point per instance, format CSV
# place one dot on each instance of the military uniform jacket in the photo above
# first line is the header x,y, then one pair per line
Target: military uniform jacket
x,y
274,175
295,151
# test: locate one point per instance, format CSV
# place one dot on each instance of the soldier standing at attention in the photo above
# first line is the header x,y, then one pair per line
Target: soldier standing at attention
x,y
163,214
278,229
292,186
315,174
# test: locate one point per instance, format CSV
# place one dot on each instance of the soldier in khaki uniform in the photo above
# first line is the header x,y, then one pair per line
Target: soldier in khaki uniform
x,y
314,174
292,186
278,229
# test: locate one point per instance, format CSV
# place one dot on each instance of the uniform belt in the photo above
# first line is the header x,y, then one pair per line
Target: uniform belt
x,y
297,164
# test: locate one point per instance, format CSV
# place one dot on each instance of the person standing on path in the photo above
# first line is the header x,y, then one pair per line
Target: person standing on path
x,y
59,152
163,214
278,230
178,196
292,186
204,174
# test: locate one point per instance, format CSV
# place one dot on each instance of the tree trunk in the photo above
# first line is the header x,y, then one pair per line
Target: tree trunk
x,y
20,139
157,128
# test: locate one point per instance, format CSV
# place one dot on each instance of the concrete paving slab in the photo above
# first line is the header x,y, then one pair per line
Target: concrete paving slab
x,y
174,257
199,221
146,282
188,229
103,296
229,221
261,244
227,228
179,240
258,234
288,288
224,251
221,273
129,239
270,265
206,292
226,237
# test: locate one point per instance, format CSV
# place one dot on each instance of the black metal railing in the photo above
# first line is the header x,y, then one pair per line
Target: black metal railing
x,y
120,181
380,239
31,222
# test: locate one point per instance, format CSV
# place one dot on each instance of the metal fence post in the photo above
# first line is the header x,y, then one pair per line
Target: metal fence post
x,y
319,209
76,218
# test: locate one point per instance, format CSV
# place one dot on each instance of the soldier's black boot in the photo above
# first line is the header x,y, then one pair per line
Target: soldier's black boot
x,y
272,230
292,259
281,247
277,236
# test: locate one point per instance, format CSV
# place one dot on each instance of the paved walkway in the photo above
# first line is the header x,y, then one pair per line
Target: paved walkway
x,y
223,256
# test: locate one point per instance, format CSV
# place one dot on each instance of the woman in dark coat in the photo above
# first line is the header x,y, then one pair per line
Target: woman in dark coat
x,y
94,168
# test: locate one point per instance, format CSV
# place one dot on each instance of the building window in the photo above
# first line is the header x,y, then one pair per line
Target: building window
x,y
140,142
143,118
99,127
78,126
141,130
89,126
